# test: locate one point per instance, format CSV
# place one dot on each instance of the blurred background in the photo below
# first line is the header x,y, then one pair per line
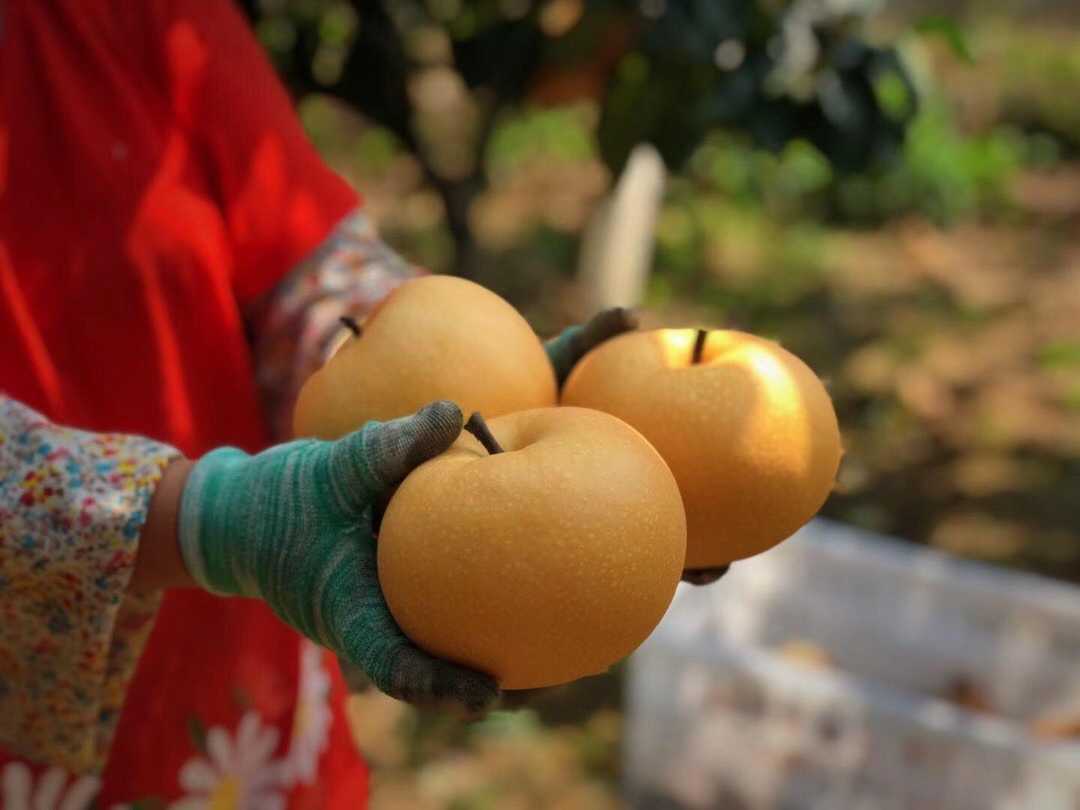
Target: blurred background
x,y
892,190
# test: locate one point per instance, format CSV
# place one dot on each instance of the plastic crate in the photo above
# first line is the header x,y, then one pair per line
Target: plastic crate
x,y
716,717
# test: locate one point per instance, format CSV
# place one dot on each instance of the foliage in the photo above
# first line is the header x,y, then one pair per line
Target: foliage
x,y
778,71
1036,76
662,71
680,67
942,174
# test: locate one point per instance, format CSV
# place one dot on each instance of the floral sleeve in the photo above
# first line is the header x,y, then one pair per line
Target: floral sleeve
x,y
72,505
294,326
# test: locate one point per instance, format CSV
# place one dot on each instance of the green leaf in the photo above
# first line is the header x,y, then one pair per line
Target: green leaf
x,y
522,724
1072,398
634,68
894,96
1063,354
338,24
949,30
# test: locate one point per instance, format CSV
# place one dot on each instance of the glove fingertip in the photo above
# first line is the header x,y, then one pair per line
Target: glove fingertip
x,y
480,692
424,680
705,576
444,420
612,322
386,452
469,688
630,319
437,426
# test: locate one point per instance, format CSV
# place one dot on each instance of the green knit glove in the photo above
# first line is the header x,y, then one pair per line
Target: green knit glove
x,y
293,526
566,349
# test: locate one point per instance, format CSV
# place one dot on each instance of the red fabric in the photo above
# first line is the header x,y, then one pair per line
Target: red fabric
x,y
154,180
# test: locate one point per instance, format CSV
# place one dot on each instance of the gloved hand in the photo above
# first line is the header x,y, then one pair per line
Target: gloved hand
x,y
293,527
572,344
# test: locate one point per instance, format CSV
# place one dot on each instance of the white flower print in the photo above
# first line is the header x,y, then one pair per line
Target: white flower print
x,y
311,723
236,774
56,789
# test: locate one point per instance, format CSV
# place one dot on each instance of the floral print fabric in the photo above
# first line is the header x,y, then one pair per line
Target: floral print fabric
x,y
72,505
351,273
236,768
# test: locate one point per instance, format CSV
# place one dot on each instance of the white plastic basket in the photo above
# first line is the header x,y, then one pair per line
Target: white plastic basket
x,y
717,718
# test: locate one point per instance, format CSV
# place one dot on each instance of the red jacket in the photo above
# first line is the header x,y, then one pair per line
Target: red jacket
x,y
154,181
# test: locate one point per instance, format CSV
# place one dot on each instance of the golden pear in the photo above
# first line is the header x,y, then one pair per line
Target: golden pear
x,y
746,427
542,563
436,337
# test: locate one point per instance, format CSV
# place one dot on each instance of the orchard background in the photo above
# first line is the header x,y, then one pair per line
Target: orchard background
x,y
893,192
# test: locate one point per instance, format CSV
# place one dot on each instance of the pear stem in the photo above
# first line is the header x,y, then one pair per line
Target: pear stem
x,y
350,323
699,345
478,428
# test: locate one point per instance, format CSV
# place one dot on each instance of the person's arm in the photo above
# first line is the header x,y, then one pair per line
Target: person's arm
x,y
72,508
158,564
93,526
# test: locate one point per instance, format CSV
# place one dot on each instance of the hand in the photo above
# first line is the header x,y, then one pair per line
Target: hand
x,y
574,343
293,526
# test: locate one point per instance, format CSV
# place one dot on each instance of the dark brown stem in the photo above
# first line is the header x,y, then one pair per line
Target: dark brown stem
x,y
699,345
478,428
351,324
